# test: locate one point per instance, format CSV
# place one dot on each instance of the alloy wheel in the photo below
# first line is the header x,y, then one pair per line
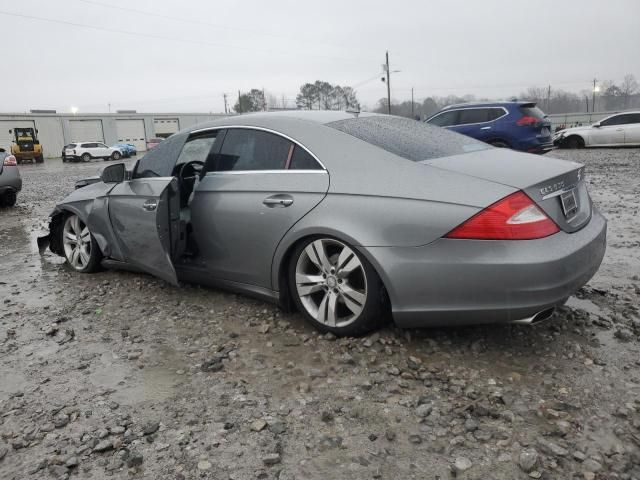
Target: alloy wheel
x,y
331,282
76,240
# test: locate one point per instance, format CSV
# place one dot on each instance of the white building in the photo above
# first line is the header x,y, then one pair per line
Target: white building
x,y
56,130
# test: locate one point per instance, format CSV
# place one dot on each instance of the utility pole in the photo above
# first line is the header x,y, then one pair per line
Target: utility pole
x,y
239,104
388,83
548,98
593,98
412,116
224,95
264,101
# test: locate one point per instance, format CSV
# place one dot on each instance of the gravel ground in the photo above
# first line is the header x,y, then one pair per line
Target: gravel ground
x,y
118,375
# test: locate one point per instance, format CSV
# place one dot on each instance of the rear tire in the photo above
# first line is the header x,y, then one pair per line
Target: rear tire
x,y
80,248
336,288
86,157
574,142
9,199
500,144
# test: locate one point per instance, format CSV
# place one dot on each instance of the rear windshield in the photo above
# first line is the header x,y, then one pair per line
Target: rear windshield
x,y
531,110
410,139
71,145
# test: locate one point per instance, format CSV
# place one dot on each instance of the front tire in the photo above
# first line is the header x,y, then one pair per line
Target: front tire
x,y
86,157
574,142
40,159
116,156
336,288
80,248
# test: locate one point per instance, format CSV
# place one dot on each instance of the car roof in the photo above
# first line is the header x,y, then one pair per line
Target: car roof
x,y
264,119
489,104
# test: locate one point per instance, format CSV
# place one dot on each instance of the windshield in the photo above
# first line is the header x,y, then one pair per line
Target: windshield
x,y
410,139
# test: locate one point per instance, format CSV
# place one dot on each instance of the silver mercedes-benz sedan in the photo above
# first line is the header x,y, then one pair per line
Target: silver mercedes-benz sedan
x,y
350,218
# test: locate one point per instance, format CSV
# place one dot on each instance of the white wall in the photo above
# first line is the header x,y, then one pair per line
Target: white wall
x,y
53,129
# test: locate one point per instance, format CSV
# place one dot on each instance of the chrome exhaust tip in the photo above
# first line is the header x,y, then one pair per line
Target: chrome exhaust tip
x,y
537,318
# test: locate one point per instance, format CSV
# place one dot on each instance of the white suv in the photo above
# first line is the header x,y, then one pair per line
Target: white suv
x,y
85,151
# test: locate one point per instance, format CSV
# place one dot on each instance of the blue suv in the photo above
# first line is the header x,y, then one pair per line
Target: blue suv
x,y
518,125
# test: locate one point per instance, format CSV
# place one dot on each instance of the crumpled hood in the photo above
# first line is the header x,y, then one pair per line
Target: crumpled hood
x,y
568,131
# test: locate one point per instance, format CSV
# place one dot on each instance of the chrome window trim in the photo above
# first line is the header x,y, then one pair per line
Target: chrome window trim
x,y
246,172
263,129
428,120
506,112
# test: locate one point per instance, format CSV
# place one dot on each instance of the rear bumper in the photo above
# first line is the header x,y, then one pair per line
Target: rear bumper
x,y
10,179
535,145
456,282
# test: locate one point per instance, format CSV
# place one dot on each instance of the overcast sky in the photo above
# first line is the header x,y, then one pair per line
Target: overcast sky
x,y
170,55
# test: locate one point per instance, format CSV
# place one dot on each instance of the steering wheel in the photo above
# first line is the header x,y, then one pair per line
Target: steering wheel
x,y
190,170
187,176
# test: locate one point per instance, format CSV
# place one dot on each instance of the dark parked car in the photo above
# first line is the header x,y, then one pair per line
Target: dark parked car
x,y
517,125
127,149
351,219
154,142
10,180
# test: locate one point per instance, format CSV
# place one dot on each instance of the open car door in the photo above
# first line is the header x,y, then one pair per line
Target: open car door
x,y
144,214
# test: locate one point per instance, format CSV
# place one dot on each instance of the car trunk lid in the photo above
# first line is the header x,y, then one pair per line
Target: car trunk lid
x,y
557,186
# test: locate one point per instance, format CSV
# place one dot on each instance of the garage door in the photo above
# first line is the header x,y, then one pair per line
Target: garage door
x,y
6,125
86,131
132,131
165,126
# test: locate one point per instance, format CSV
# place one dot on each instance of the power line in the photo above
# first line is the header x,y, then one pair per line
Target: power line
x,y
162,37
149,13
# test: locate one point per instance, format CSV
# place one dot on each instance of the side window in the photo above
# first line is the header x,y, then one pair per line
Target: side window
x,y
612,121
445,119
90,145
301,160
629,118
495,113
160,161
197,148
245,149
473,115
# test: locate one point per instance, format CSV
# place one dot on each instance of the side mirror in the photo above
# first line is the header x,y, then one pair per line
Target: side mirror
x,y
596,125
113,173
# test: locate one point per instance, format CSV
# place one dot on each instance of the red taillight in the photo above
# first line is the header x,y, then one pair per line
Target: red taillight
x,y
527,121
10,161
515,217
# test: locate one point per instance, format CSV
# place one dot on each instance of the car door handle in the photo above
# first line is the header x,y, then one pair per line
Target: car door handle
x,y
278,201
150,205
485,128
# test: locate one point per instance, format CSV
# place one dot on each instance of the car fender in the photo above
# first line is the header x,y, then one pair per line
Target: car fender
x,y
90,203
367,221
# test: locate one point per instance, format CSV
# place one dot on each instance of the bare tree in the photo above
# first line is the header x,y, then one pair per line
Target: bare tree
x,y
628,87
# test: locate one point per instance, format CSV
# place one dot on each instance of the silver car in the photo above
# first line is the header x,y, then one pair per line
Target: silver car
x,y
10,180
351,219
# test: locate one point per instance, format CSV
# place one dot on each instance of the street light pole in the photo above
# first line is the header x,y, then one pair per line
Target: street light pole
x,y
388,84
412,116
593,98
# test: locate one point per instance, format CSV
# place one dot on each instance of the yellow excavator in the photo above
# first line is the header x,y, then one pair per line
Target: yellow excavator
x,y
26,146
